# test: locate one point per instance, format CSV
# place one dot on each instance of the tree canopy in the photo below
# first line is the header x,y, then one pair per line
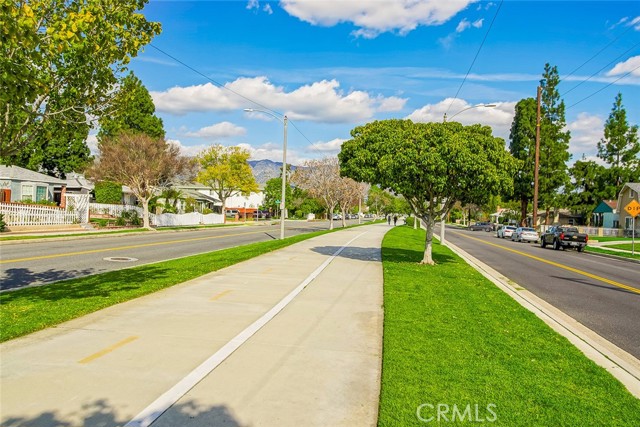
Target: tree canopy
x,y
432,165
145,164
522,147
61,59
225,170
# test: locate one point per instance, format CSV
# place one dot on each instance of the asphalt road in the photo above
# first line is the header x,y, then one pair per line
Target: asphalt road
x,y
30,263
601,293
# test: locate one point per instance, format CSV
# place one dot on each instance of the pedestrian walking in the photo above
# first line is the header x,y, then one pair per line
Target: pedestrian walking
x,y
395,220
389,219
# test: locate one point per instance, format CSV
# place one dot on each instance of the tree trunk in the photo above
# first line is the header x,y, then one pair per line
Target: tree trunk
x,y
427,258
547,220
145,214
344,219
524,203
331,220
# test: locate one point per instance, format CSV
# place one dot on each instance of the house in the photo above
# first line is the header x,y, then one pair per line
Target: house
x,y
628,194
606,215
21,185
205,198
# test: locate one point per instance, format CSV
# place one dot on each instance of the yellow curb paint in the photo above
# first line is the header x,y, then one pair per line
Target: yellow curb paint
x,y
220,295
93,251
107,350
555,264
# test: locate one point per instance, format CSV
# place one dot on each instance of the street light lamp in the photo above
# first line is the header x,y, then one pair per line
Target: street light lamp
x,y
444,119
284,165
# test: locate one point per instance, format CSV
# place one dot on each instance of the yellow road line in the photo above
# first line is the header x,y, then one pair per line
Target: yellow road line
x,y
555,264
108,350
220,295
143,245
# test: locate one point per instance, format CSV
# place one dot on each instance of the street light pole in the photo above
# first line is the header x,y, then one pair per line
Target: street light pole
x,y
444,120
284,166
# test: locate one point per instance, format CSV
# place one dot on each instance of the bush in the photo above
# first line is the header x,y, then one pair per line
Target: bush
x,y
409,221
129,218
108,192
2,223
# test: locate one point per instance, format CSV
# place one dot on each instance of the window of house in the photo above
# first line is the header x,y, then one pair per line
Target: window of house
x,y
628,223
27,192
41,193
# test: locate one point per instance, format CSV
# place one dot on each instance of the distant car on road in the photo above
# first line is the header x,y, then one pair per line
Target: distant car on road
x,y
484,226
336,217
525,234
505,231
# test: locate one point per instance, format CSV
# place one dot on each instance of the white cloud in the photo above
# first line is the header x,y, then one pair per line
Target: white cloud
x,y
478,23
273,151
92,143
332,146
267,8
253,4
463,25
219,130
630,65
498,117
586,131
321,101
635,22
188,150
374,17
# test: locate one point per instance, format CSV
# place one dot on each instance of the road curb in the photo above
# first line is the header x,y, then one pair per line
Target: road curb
x,y
622,365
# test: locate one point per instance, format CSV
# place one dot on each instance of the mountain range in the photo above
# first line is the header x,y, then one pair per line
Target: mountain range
x,y
264,170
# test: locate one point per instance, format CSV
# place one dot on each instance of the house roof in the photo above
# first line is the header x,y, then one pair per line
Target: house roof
x,y
606,206
16,173
199,196
635,186
76,180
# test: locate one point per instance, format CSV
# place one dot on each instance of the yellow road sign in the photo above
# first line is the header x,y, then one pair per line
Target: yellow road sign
x,y
633,208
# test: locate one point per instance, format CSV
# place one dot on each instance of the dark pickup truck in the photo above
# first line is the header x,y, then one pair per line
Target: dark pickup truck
x,y
564,237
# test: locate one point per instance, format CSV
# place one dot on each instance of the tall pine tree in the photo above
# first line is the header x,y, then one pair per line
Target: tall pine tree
x,y
522,147
620,149
554,142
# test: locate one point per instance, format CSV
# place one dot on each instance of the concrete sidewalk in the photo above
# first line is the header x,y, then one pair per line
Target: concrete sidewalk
x,y
316,363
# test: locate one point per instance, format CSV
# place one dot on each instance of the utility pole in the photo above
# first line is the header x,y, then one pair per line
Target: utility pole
x,y
537,162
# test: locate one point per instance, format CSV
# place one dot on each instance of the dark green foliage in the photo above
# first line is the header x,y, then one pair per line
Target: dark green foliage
x,y
132,111
108,192
2,223
273,194
522,147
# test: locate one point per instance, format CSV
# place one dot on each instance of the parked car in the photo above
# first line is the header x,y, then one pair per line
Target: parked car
x,y
484,226
525,234
560,237
505,231
336,217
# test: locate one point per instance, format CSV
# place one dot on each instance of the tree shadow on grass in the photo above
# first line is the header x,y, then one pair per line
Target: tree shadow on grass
x,y
100,285
402,255
101,414
16,278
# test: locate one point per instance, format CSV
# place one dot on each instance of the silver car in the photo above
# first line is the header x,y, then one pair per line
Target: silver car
x,y
505,231
525,234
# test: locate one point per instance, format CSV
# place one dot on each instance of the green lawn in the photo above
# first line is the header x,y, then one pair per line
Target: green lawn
x,y
451,337
626,246
28,310
603,250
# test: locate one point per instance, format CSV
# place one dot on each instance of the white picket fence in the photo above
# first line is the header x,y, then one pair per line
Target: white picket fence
x,y
112,210
18,214
193,218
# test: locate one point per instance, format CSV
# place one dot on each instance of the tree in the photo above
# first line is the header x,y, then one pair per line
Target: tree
x,y
620,148
225,170
144,164
60,59
432,165
132,110
273,193
522,147
350,192
320,178
379,200
554,142
587,187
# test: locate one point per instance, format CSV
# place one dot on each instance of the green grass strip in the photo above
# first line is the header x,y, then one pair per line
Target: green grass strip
x,y
451,337
603,250
31,309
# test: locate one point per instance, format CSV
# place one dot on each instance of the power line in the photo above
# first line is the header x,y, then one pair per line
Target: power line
x,y
599,52
606,66
221,86
603,88
476,57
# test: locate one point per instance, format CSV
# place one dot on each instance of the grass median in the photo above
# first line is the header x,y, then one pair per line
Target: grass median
x,y
28,310
455,343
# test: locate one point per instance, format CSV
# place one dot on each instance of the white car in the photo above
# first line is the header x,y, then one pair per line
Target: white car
x,y
525,234
505,231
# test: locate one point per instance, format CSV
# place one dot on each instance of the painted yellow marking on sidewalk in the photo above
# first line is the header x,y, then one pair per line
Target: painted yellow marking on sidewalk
x,y
220,295
555,264
108,350
142,245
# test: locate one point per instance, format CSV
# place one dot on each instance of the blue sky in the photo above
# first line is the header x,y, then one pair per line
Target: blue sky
x,y
332,65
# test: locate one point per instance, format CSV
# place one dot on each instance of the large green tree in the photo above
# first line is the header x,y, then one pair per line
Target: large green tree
x,y
60,59
522,147
620,149
587,187
131,110
554,142
432,165
273,194
225,170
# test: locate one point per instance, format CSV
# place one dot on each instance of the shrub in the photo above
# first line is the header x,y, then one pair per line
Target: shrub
x,y
108,192
409,221
2,223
